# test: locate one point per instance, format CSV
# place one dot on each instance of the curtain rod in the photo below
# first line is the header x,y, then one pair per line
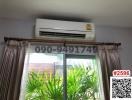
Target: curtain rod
x,y
60,41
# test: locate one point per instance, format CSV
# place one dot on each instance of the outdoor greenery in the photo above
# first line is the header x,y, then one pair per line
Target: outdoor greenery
x,y
81,85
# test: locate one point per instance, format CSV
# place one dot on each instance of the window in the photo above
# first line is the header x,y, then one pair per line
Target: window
x,y
58,76
82,78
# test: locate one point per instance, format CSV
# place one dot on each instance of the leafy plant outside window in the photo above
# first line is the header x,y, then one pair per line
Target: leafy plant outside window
x,y
82,84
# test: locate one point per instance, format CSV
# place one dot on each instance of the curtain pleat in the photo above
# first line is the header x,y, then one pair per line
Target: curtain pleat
x,y
109,60
11,69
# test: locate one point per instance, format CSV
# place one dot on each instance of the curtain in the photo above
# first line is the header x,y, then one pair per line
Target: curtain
x,y
11,69
109,60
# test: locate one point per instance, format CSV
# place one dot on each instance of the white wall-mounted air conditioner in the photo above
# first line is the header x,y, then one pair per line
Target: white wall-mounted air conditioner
x,y
64,29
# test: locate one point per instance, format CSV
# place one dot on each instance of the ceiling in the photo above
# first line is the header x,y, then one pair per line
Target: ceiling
x,y
101,12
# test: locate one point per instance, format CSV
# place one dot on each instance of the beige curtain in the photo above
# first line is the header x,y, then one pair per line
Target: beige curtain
x,y
109,60
11,69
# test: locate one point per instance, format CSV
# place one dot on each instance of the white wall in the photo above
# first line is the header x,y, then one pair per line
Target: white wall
x,y
15,28
24,28
116,34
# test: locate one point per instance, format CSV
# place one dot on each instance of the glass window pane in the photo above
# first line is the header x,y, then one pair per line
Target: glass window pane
x,y
82,79
45,77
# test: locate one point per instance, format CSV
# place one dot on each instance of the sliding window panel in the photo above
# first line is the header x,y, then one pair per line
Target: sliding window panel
x,y
82,78
45,77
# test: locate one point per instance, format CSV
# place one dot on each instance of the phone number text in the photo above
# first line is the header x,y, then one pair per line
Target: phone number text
x,y
65,49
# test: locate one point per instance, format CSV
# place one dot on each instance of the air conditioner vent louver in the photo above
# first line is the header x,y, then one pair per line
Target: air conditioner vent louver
x,y
65,35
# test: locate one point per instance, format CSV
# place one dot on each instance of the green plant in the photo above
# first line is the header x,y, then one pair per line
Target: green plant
x,y
44,87
73,78
81,84
54,87
35,88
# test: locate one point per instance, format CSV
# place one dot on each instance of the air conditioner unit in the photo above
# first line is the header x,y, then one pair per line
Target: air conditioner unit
x,y
64,29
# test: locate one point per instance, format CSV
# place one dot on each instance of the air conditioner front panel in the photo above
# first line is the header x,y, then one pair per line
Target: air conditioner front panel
x,y
65,25
64,29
